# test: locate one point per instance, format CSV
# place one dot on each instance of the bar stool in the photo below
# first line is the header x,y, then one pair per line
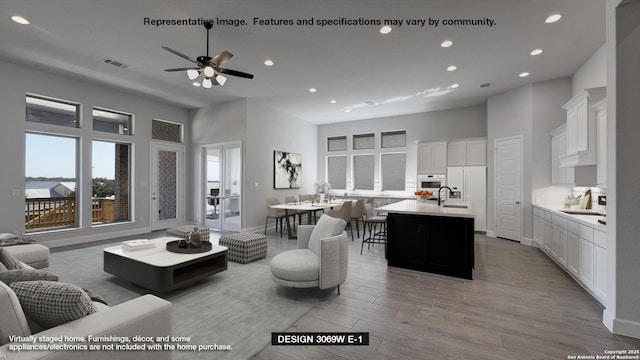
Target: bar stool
x,y
371,222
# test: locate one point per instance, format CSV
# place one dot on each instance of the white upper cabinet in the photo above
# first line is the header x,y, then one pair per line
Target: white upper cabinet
x,y
432,157
581,139
601,120
469,152
560,175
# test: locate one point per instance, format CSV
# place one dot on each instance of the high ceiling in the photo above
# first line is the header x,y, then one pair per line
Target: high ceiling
x,y
373,74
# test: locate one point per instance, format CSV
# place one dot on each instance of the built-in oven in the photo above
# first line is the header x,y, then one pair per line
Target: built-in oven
x,y
431,182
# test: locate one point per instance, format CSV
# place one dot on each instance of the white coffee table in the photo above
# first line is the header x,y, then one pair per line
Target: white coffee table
x,y
160,270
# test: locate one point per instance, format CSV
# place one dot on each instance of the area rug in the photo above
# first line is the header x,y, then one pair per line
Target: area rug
x,y
239,307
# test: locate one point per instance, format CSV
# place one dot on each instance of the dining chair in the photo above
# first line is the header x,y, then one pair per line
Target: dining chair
x,y
343,213
357,211
293,199
278,214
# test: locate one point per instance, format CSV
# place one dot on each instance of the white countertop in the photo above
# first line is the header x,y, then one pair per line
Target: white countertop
x,y
589,220
428,208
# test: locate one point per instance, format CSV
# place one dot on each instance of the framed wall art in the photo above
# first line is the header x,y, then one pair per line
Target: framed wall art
x,y
287,170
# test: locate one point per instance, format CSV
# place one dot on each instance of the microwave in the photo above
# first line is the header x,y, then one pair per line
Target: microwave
x,y
431,182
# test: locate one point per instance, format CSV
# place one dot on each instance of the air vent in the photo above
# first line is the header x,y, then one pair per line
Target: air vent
x,y
370,102
116,63
485,85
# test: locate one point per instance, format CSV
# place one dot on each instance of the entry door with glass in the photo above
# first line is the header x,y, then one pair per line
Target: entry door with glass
x,y
167,186
223,186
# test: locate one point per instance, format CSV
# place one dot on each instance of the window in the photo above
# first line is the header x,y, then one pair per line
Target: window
x,y
337,172
50,182
167,131
363,171
364,141
338,143
394,139
112,121
393,171
111,184
49,111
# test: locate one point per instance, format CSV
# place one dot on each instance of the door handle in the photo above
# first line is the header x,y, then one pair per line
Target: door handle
x,y
517,202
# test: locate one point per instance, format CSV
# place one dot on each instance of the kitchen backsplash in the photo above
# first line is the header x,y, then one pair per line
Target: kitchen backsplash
x,y
595,192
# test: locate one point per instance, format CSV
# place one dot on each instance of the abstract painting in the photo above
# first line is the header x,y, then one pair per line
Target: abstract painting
x,y
286,170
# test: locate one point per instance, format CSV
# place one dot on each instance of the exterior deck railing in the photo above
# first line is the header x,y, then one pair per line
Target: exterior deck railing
x,y
53,213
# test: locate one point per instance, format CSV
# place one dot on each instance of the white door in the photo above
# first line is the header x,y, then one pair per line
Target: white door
x,y
167,186
223,186
508,188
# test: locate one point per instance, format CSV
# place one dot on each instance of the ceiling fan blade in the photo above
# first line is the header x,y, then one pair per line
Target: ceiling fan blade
x,y
221,58
182,69
176,52
234,73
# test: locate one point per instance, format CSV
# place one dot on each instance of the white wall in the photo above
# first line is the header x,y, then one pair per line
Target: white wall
x,y
593,73
269,130
16,82
437,125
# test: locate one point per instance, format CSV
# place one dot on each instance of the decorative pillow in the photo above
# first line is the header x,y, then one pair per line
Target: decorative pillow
x,y
326,226
51,303
9,261
95,297
11,276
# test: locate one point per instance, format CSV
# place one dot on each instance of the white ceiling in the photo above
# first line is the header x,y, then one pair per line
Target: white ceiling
x,y
352,64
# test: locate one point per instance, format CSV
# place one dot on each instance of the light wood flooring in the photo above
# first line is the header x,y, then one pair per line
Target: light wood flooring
x,y
520,305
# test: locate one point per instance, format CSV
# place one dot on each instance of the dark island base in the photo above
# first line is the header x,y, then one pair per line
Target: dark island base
x,y
436,244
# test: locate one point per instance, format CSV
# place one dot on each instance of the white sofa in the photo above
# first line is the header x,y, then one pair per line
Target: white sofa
x,y
146,315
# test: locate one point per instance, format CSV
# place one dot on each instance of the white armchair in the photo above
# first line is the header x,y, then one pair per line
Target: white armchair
x,y
321,258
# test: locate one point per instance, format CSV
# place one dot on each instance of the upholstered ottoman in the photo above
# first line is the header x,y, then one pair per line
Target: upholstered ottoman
x,y
182,231
34,255
245,247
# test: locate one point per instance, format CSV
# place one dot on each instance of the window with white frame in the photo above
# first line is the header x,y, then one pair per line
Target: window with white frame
x,y
392,139
112,121
364,141
392,171
45,110
337,172
363,171
166,130
337,143
111,182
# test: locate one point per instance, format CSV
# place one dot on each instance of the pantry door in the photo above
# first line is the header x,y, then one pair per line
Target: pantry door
x,y
167,186
508,188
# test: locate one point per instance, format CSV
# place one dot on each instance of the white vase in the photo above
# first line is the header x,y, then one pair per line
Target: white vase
x,y
321,198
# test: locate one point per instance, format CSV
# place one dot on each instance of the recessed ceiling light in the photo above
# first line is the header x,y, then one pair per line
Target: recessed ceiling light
x,y
312,90
553,18
333,101
347,110
20,20
196,84
446,43
524,74
268,62
536,52
455,86
385,29
451,68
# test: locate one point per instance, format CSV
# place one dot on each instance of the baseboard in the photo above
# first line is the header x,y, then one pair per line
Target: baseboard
x,y
626,328
491,234
95,237
527,241
258,229
608,319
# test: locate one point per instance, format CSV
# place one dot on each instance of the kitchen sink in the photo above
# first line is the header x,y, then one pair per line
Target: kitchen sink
x,y
455,206
582,212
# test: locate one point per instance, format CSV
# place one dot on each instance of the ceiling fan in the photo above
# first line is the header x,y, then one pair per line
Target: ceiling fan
x,y
208,66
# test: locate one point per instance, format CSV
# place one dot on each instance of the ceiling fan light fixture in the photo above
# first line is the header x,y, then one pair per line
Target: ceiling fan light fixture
x,y
20,20
206,83
196,84
208,71
221,79
193,74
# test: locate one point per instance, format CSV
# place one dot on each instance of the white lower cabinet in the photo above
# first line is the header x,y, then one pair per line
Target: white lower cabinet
x,y
578,248
585,264
573,253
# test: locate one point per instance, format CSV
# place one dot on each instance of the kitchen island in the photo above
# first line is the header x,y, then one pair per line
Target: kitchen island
x,y
424,236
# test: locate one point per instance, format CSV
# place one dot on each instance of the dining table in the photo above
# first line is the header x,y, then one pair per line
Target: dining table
x,y
308,206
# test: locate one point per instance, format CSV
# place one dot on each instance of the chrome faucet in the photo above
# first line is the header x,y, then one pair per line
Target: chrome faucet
x,y
442,187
